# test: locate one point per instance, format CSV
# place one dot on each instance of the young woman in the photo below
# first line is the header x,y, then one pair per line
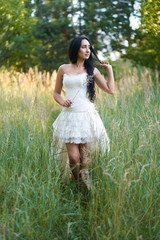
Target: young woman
x,y
79,128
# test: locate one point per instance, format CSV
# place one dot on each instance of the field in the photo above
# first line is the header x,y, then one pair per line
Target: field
x,y
124,203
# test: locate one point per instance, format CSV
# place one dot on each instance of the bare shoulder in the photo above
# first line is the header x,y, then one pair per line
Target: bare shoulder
x,y
63,68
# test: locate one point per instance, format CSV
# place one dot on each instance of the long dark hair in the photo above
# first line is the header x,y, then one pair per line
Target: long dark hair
x,y
88,63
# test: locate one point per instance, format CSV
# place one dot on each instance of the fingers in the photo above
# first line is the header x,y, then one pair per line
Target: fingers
x,y
105,64
67,103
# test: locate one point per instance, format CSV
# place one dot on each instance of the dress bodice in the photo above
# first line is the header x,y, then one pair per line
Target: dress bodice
x,y
76,90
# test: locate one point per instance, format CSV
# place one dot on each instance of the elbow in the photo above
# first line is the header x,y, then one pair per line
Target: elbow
x,y
112,92
111,89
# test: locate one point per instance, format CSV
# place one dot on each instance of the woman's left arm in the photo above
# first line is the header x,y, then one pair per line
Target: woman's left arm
x,y
107,86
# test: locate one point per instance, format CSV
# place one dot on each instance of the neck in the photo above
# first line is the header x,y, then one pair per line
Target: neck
x,y
79,63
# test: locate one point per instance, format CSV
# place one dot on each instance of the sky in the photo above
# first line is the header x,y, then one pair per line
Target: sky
x,y
135,21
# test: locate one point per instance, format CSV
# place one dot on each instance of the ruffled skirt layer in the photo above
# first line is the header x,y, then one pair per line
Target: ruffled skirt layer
x,y
79,128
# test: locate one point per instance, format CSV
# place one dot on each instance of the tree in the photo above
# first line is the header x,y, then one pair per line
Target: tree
x,y
17,45
106,22
38,32
145,46
54,27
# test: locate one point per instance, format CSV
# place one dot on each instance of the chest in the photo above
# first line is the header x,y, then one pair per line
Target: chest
x,y
75,81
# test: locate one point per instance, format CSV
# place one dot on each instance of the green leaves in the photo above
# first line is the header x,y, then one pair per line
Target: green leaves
x,y
17,45
38,32
151,16
146,44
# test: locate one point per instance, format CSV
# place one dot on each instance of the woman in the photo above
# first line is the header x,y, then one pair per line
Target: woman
x,y
79,127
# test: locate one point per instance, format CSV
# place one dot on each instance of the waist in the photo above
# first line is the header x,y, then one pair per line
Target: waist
x,y
81,107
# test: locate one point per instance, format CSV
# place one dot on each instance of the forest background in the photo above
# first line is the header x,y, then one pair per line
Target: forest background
x,y
38,32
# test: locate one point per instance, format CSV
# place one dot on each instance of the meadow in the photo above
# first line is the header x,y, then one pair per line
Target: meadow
x,y
124,202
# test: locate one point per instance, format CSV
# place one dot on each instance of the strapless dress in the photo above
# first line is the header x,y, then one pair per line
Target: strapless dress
x,y
80,123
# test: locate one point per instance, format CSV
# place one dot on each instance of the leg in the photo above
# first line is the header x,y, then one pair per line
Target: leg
x,y
74,158
85,158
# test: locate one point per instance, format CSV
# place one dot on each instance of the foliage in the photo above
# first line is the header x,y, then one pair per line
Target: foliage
x,y
55,29
150,18
107,23
18,46
124,199
38,32
146,44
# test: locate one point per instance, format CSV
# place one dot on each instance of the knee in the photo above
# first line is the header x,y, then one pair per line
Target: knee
x,y
74,158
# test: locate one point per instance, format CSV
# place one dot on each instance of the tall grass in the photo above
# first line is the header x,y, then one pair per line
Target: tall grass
x,y
124,200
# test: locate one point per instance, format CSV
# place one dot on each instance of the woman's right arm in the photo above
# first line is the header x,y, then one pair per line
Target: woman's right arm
x,y
58,88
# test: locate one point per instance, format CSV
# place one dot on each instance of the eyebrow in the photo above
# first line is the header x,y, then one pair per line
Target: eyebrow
x,y
86,45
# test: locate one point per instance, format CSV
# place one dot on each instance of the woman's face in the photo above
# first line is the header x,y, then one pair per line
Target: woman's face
x,y
84,51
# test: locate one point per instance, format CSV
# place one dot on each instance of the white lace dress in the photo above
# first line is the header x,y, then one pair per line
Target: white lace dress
x,y
79,123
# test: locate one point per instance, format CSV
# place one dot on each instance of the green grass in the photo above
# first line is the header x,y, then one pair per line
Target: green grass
x,y
124,200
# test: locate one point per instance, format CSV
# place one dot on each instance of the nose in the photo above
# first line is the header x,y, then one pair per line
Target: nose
x,y
88,49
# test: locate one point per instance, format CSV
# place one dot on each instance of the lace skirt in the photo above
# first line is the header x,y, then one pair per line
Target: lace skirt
x,y
78,126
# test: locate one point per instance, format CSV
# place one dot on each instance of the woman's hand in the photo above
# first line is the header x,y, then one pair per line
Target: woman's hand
x,y
106,65
67,103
